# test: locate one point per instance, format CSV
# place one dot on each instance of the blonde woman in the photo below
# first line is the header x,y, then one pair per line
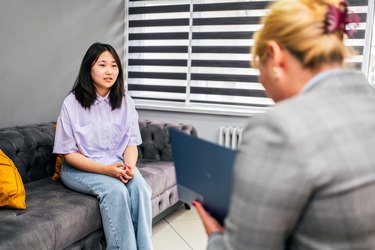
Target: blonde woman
x,y
305,172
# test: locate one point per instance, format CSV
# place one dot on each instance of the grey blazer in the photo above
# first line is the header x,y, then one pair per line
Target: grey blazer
x,y
305,173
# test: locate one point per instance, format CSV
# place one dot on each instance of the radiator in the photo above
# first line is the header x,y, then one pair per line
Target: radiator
x,y
230,136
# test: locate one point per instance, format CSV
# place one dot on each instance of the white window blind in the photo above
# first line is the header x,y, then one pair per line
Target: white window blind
x,y
196,53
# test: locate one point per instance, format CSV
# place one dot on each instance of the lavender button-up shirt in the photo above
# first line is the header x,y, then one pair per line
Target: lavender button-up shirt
x,y
99,133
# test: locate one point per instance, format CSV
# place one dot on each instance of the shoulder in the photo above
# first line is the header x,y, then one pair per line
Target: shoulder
x,y
287,121
71,103
128,106
278,114
128,98
70,99
128,101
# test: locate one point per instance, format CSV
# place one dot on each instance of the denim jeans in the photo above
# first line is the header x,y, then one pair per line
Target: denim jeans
x,y
125,208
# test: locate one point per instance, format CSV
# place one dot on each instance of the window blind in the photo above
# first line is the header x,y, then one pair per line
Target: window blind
x,y
158,50
197,52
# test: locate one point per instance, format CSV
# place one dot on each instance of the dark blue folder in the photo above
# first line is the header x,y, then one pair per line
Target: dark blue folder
x,y
204,172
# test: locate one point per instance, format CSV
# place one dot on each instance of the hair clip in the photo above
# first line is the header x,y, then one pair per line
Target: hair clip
x,y
339,19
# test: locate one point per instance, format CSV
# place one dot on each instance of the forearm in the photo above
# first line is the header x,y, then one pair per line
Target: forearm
x,y
131,155
83,163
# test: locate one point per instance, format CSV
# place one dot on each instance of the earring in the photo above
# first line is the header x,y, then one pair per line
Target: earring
x,y
275,73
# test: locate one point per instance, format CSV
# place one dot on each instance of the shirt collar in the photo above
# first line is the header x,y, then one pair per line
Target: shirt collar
x,y
318,77
102,98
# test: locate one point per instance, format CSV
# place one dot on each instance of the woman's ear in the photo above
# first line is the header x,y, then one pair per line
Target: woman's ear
x,y
277,66
275,53
275,56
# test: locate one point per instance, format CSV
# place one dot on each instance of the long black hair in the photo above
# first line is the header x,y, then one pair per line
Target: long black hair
x,y
84,88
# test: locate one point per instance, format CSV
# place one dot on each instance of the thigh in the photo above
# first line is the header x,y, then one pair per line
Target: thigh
x,y
138,182
86,182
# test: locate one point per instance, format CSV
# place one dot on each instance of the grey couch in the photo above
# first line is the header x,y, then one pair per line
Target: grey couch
x,y
59,218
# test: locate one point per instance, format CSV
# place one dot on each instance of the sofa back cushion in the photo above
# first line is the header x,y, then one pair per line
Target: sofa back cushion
x,y
30,148
155,139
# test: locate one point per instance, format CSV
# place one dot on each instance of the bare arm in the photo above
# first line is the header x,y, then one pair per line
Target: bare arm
x,y
83,163
130,160
131,155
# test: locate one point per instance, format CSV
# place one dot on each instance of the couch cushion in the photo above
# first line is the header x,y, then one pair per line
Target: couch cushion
x,y
160,175
28,232
53,209
12,191
58,166
30,148
155,137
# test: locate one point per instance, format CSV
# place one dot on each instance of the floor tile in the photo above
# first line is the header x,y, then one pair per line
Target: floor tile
x,y
182,214
164,237
192,231
180,230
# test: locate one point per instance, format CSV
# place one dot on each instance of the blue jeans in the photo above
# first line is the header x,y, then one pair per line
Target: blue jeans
x,y
125,208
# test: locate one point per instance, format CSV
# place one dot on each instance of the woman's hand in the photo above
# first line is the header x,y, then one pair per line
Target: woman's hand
x,y
130,161
211,225
129,172
122,171
117,170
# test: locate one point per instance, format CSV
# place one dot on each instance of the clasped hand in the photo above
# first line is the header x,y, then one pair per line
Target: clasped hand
x,y
124,171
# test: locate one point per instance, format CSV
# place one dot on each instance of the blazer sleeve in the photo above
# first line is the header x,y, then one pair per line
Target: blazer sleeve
x,y
271,188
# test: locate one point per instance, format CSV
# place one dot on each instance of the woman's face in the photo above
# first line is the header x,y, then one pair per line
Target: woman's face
x,y
104,73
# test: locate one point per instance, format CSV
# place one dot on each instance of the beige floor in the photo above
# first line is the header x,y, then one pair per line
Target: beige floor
x,y
181,230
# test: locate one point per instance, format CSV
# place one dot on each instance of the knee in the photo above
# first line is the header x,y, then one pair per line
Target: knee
x,y
114,189
139,186
146,190
143,190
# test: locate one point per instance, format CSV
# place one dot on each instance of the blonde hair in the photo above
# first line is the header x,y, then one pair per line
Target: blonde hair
x,y
299,27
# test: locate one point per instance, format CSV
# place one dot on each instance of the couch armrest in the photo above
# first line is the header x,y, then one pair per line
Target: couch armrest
x,y
155,137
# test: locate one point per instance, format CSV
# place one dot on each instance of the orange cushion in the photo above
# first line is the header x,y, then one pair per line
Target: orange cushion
x,y
12,191
58,165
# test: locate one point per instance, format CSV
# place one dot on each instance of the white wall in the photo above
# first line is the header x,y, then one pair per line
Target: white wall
x,y
42,43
